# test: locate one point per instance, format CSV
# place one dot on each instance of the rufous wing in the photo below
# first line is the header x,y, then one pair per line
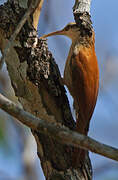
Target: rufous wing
x,y
85,83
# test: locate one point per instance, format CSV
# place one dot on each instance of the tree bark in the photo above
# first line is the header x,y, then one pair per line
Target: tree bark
x,y
60,133
35,78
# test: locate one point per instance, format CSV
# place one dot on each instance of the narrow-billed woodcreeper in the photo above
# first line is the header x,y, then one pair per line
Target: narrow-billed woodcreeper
x,y
81,74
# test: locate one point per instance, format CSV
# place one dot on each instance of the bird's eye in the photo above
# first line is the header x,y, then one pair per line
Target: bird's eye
x,y
67,28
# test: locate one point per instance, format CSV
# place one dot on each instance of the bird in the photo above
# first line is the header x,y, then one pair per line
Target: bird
x,y
81,74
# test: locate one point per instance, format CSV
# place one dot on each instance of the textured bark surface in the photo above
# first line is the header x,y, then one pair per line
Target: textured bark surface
x,y
82,6
35,78
81,12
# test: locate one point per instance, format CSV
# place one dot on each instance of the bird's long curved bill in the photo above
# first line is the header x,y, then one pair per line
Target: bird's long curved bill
x,y
61,32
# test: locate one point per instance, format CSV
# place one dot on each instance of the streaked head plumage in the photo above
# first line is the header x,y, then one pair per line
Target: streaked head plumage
x,y
71,30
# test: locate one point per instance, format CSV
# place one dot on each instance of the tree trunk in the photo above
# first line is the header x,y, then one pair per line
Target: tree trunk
x,y
35,78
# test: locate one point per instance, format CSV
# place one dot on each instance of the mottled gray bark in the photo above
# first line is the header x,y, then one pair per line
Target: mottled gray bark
x,y
82,6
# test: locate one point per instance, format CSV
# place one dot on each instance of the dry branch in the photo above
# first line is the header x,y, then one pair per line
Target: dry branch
x,y
56,131
82,6
36,14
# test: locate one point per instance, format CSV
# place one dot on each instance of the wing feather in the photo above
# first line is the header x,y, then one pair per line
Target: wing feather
x,y
85,82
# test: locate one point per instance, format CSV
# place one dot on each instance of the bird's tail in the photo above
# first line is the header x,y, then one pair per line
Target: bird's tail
x,y
79,154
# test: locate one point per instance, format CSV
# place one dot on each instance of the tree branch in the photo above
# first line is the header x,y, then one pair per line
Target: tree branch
x,y
37,13
81,12
30,10
61,134
82,6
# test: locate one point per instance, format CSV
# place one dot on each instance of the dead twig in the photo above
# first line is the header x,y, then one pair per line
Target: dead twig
x,y
60,133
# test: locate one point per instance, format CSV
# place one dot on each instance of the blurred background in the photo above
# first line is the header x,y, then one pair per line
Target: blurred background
x,y
18,159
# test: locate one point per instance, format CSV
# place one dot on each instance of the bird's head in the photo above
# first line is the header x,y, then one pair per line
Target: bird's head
x,y
71,30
